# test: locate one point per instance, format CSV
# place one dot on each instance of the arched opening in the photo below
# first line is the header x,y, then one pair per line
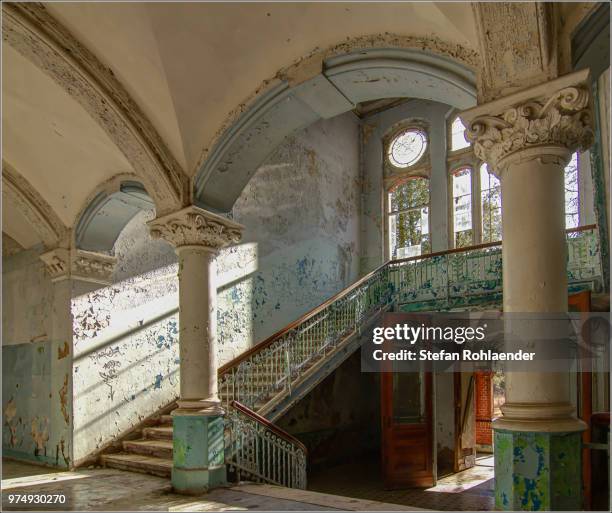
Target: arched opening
x,y
345,82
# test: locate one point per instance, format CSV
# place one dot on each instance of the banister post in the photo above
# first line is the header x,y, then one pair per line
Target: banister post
x,y
198,441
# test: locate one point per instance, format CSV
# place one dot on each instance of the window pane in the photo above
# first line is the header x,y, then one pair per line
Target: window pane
x,y
572,196
463,239
458,139
462,207
409,218
490,205
407,148
408,404
413,193
571,220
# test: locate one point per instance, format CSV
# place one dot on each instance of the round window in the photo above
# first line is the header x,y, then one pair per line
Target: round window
x,y
407,148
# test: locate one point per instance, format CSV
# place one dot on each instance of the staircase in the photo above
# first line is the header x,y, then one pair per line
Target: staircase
x,y
263,383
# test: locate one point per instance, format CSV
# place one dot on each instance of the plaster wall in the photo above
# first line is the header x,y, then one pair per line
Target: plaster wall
x,y
300,246
36,405
301,213
339,420
374,129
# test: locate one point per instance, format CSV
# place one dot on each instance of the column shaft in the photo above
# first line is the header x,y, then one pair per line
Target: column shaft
x,y
198,323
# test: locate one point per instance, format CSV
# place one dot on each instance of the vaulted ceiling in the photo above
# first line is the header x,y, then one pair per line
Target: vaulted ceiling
x,y
190,64
144,90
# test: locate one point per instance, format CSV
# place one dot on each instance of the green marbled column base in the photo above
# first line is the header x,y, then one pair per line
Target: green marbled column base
x,y
198,453
538,471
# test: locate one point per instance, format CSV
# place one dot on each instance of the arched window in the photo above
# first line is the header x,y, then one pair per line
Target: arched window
x,y
463,233
407,148
458,140
408,214
572,194
490,205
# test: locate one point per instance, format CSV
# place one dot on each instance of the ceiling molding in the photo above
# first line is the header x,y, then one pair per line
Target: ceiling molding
x,y
35,34
39,214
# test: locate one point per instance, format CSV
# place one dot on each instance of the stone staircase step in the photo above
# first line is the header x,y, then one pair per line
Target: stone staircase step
x,y
138,463
158,433
157,448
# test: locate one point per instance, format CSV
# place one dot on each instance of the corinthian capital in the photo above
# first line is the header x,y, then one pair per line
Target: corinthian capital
x,y
538,120
193,226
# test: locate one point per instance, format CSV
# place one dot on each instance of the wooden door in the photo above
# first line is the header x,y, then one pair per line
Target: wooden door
x,y
465,421
581,302
407,428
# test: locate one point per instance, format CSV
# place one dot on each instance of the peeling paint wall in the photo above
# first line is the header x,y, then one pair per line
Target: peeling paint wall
x,y
301,212
36,403
339,420
300,246
126,341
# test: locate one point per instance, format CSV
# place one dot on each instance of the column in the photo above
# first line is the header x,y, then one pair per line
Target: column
x,y
527,139
57,265
68,270
198,444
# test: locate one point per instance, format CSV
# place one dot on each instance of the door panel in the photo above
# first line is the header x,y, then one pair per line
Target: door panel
x,y
581,302
407,427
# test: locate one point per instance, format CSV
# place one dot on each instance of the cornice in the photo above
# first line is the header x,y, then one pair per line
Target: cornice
x,y
62,263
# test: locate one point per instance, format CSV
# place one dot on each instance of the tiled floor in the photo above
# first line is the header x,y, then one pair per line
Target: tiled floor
x,y
468,490
116,490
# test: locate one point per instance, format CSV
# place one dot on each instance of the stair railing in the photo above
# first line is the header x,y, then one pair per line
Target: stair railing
x,y
260,451
455,278
459,277
273,365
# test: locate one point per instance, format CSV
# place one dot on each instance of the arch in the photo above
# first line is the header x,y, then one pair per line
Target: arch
x,y
426,70
107,211
36,35
39,214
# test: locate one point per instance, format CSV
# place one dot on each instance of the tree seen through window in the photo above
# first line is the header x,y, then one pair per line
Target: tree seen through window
x,y
490,204
409,218
462,207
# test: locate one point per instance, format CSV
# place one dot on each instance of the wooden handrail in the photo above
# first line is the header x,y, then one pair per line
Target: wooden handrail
x,y
479,246
272,427
425,256
582,228
272,338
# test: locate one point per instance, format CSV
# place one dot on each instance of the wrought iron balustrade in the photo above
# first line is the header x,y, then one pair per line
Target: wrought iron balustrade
x,y
457,278
259,451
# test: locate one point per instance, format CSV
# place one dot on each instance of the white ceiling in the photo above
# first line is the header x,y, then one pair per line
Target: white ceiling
x,y
190,64
51,141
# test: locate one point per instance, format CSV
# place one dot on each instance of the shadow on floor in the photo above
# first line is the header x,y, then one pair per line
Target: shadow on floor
x,y
470,490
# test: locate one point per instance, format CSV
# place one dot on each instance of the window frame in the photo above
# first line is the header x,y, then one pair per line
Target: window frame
x,y
453,170
480,191
387,207
449,137
422,166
